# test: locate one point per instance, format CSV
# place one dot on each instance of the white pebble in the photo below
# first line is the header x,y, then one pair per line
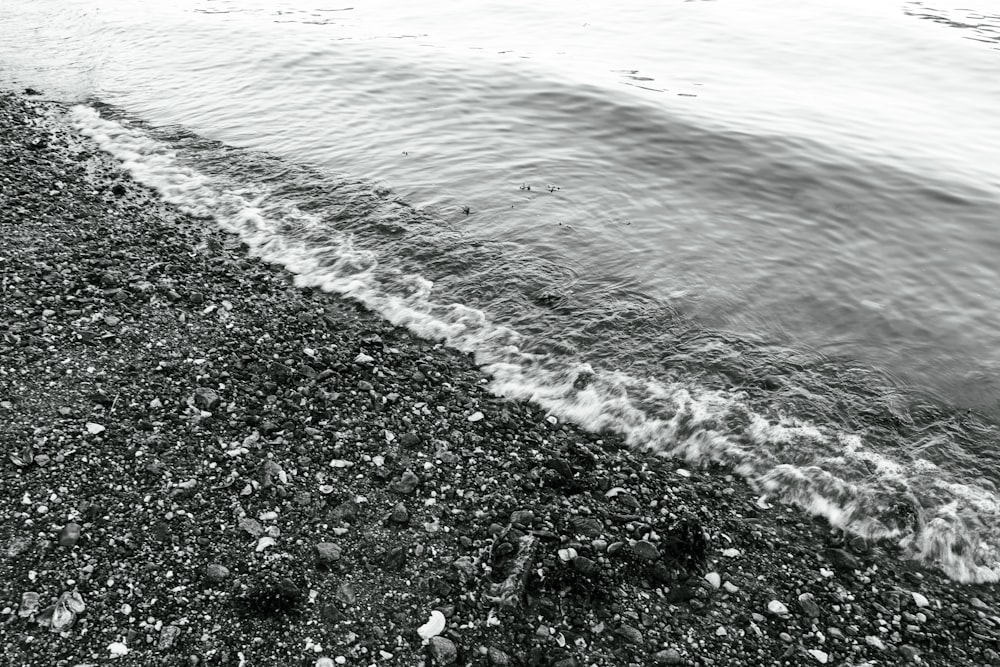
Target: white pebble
x,y
476,416
777,608
433,627
720,631
268,516
714,578
94,429
117,649
731,553
821,656
919,599
324,662
730,587
264,543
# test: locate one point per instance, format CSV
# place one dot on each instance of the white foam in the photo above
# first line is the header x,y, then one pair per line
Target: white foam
x,y
797,461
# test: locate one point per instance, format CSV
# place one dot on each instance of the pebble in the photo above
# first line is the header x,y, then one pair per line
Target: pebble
x,y
168,635
629,633
731,553
586,566
523,517
808,603
646,550
29,604
216,573
346,593
433,627
497,658
117,649
251,526
328,552
777,608
670,656
264,543
324,662
206,398
875,642
919,599
476,417
714,579
69,534
730,587
399,514
443,650
842,560
909,653
94,429
406,483
821,656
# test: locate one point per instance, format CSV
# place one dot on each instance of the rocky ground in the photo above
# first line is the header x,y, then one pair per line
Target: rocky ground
x,y
203,464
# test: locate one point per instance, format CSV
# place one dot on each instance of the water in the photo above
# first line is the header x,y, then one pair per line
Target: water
x,y
758,232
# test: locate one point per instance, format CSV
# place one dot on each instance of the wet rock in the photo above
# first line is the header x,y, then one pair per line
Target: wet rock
x,y
400,514
406,483
442,650
216,573
69,535
328,553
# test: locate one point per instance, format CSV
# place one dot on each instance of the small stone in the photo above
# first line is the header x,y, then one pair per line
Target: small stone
x,y
670,656
731,553
909,653
721,631
216,573
808,603
875,642
523,517
586,525
94,429
730,587
168,635
346,593
400,514
325,662
476,417
29,604
406,483
117,649
433,627
442,650
714,578
919,599
777,608
205,398
251,526
497,658
646,550
586,566
69,535
328,553
345,512
263,543
842,560
820,656
629,633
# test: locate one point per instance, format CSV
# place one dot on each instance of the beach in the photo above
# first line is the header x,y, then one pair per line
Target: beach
x,y
206,464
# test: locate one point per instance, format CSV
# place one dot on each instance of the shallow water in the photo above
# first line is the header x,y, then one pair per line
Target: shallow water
x,y
760,232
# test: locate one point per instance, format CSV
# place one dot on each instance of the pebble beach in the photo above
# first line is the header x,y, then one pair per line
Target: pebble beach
x,y
204,464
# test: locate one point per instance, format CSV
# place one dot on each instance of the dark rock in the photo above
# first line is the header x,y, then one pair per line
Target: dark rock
x,y
668,656
497,658
681,593
69,534
646,550
523,517
409,440
561,467
216,573
345,512
400,514
168,635
442,650
909,653
406,483
328,553
586,525
206,398
629,633
808,603
395,559
586,567
842,560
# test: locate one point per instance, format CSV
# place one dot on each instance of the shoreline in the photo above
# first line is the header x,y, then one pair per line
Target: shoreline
x,y
260,473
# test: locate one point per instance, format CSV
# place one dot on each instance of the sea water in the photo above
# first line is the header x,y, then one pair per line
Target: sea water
x,y
760,232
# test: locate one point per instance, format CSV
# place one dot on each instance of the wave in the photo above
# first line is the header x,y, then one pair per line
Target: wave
x,y
816,432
